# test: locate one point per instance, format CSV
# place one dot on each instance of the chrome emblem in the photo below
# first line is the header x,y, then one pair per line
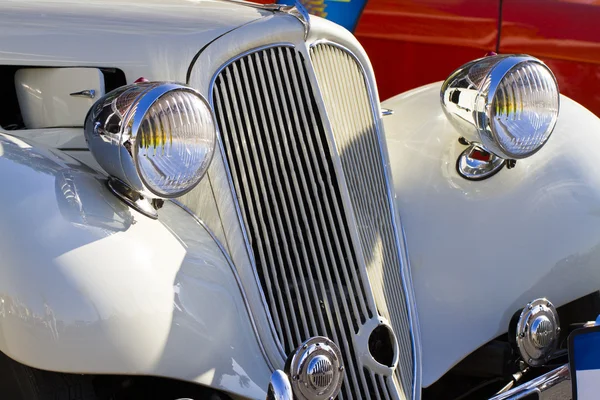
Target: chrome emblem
x,y
542,331
316,370
320,372
538,330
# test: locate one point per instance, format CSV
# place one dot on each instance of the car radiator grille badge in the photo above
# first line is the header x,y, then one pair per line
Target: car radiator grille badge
x,y
320,372
316,369
537,333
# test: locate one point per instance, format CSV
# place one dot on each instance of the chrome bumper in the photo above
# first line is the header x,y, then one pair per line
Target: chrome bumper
x,y
279,387
554,385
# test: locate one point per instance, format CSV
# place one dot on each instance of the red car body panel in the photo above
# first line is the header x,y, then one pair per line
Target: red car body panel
x,y
415,42
412,43
565,34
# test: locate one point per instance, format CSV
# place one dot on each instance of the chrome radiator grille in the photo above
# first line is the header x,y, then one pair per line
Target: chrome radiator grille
x,y
284,179
351,115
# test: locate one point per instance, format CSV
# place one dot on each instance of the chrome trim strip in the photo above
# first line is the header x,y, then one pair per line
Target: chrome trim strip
x,y
301,14
398,231
297,10
551,380
235,274
386,112
232,188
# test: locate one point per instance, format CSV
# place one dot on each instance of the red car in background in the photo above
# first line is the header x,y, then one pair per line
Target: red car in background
x,y
415,42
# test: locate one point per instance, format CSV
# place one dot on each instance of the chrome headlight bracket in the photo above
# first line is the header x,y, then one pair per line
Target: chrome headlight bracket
x,y
133,199
475,163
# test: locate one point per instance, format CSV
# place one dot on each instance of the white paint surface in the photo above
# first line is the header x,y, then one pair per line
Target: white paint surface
x,y
479,251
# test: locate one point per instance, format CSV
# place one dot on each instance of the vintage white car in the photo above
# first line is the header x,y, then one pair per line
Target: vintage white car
x,y
206,199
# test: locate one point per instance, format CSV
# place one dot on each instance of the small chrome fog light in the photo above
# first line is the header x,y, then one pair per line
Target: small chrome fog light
x,y
507,104
155,140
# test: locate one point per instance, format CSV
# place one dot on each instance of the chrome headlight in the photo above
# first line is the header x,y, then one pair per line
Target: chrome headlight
x,y
507,103
156,138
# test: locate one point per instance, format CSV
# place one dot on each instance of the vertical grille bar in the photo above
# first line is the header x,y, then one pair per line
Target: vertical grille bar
x,y
286,185
349,108
289,197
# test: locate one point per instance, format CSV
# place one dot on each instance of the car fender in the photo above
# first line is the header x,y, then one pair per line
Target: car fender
x,y
481,250
90,286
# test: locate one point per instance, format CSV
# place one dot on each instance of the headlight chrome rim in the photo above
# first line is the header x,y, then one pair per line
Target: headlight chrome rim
x,y
477,121
497,75
115,132
148,99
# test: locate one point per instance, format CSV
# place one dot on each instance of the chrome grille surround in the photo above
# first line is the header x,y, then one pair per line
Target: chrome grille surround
x,y
280,158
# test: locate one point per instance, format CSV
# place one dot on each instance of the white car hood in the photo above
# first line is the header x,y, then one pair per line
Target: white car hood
x,y
154,38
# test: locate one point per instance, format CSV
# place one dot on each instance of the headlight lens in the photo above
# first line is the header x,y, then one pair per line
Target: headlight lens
x,y
509,104
157,138
175,143
524,109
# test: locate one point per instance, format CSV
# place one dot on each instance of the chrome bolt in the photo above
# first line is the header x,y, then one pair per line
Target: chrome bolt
x,y
529,306
530,360
305,346
341,368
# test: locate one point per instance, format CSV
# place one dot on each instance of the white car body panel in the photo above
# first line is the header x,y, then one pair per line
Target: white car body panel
x,y
154,38
479,251
104,289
